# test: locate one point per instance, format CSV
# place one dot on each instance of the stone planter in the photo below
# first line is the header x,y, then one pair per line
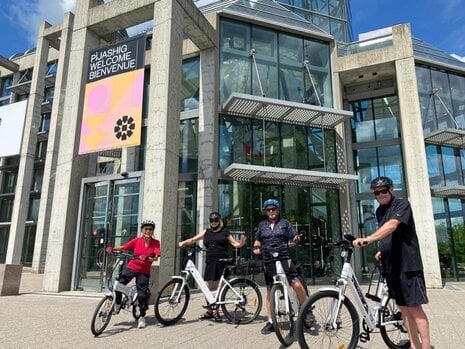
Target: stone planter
x,y
10,279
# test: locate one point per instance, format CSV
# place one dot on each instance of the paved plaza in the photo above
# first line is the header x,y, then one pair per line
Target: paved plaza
x,y
35,319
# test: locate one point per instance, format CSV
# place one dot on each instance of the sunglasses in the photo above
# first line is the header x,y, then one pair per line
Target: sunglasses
x,y
272,209
382,191
214,220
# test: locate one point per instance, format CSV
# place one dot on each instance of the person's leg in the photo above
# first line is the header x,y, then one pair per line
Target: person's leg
x,y
125,277
411,327
142,284
299,291
418,324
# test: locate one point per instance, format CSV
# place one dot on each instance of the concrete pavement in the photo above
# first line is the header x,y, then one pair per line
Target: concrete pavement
x,y
35,319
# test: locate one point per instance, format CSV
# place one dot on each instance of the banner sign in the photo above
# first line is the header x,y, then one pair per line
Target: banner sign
x,y
12,117
112,113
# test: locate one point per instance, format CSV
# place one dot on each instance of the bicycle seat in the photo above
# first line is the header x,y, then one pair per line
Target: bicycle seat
x,y
227,261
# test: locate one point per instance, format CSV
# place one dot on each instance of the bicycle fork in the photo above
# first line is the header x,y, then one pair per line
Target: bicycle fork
x,y
334,311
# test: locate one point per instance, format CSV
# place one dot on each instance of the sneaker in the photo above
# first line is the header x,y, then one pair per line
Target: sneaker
x,y
141,322
268,328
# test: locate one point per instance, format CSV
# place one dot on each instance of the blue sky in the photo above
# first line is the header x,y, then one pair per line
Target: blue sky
x,y
440,23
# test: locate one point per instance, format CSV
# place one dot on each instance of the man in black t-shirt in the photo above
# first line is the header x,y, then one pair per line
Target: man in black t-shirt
x,y
400,258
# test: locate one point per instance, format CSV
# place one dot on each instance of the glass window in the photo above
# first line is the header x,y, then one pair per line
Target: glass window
x,y
5,82
6,209
265,44
320,6
442,99
338,30
235,141
33,213
190,84
235,71
48,94
41,150
386,112
188,152
321,22
457,90
362,122
425,87
52,68
37,180
28,245
8,181
449,161
318,88
44,122
4,235
294,145
433,160
290,68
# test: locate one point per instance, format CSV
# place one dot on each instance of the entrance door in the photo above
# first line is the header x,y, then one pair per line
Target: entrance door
x,y
111,210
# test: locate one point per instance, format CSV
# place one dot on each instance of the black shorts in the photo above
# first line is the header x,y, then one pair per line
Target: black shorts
x,y
213,269
270,271
408,289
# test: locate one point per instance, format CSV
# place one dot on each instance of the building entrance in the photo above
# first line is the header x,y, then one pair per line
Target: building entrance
x,y
110,218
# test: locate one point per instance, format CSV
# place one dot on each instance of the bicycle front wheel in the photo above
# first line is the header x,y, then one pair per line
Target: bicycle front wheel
x,y
102,315
242,301
171,302
322,325
392,328
283,321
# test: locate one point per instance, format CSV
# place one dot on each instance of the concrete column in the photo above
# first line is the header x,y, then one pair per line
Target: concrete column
x,y
70,168
416,170
207,184
162,150
28,148
40,246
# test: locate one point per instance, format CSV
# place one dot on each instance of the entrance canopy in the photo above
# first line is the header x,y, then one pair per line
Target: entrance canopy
x,y
450,137
287,176
450,192
256,107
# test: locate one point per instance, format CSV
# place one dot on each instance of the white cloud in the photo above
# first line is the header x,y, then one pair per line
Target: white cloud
x,y
28,15
458,57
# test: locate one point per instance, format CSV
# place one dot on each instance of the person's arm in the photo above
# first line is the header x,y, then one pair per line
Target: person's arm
x,y
385,230
235,243
192,240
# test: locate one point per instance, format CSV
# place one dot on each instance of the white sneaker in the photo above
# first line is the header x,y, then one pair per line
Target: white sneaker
x,y
141,322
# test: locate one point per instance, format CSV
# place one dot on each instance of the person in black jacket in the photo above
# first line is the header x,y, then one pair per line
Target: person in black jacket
x,y
400,257
216,239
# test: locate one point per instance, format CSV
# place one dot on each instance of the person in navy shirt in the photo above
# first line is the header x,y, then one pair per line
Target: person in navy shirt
x,y
399,254
276,231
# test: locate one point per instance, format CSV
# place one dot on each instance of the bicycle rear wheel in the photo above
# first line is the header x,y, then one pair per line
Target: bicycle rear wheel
x,y
320,332
394,334
171,302
237,310
283,321
102,315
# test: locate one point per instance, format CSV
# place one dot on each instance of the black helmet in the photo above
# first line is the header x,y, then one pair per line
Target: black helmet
x,y
381,182
147,222
214,215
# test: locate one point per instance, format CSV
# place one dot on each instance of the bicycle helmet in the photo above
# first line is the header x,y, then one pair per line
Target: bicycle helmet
x,y
270,202
147,222
381,182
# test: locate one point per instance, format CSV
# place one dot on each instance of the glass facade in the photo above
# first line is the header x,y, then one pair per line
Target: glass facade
x,y
288,67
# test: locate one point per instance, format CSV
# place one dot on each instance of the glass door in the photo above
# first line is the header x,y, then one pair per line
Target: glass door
x,y
111,210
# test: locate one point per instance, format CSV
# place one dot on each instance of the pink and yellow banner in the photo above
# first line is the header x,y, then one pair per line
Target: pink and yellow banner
x,y
112,113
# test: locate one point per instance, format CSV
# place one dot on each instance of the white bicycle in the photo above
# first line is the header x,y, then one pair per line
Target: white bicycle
x,y
240,298
284,305
336,323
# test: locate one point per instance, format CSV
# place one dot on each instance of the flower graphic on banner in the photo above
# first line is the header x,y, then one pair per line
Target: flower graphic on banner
x,y
124,127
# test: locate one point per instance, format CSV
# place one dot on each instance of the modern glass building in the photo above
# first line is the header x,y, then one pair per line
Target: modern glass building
x,y
242,101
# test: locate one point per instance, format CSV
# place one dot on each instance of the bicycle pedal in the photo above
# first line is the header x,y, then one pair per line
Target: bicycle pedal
x,y
364,337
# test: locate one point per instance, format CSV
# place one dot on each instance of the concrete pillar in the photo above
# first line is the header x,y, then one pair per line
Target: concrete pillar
x,y
162,150
70,168
40,246
207,184
416,169
28,148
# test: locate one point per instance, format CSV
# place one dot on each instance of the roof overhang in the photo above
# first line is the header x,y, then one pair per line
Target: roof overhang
x,y
451,192
256,107
450,137
288,176
7,64
21,88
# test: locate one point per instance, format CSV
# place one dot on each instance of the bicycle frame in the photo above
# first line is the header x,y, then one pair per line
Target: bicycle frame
x,y
211,296
289,293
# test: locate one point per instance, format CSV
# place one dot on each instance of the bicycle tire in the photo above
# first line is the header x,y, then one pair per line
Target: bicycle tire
x,y
283,322
168,310
247,311
102,315
317,332
394,335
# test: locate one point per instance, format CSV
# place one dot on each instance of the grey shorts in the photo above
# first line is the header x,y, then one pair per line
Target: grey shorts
x,y
408,289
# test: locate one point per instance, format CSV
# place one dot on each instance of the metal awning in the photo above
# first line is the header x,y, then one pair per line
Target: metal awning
x,y
50,80
46,107
451,192
256,107
276,175
450,137
21,88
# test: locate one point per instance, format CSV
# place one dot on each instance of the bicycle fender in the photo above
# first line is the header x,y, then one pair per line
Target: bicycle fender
x,y
329,289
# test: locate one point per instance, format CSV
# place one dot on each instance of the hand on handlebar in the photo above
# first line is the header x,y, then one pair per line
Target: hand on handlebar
x,y
378,256
109,249
360,242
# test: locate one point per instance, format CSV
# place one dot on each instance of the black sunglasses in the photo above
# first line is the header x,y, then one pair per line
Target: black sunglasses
x,y
214,220
382,191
